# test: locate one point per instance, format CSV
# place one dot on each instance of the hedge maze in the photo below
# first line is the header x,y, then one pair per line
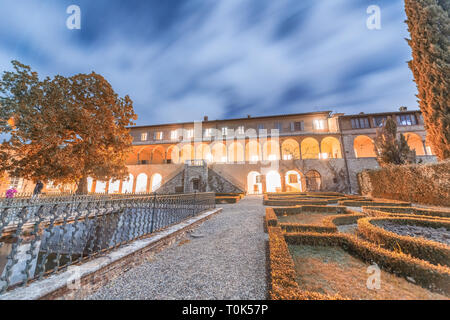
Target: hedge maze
x,y
302,225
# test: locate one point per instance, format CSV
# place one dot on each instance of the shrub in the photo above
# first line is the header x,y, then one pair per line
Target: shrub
x,y
432,251
283,284
425,183
406,212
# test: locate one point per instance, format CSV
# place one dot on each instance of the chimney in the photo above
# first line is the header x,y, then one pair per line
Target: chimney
x,y
205,118
403,109
249,116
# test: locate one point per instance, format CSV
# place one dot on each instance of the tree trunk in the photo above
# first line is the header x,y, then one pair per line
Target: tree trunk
x,y
82,186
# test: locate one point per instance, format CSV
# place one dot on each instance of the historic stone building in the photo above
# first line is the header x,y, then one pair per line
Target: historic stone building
x,y
306,151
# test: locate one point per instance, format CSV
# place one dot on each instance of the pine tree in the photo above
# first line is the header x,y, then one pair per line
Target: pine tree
x,y
64,129
429,26
389,149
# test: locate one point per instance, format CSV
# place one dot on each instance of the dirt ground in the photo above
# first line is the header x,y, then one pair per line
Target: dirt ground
x,y
332,270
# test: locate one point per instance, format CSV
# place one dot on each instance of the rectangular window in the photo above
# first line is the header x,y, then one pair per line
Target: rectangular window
x,y
406,120
208,132
224,131
278,126
360,123
378,121
260,126
174,135
189,133
298,126
144,136
319,124
158,135
293,178
240,130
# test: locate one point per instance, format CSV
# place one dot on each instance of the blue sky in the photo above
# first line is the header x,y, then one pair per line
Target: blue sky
x,y
181,60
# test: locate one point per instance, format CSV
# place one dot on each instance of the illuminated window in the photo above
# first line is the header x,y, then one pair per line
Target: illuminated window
x,y
254,158
260,126
272,157
158,135
208,132
174,135
287,157
293,178
144,136
240,130
319,124
224,131
189,133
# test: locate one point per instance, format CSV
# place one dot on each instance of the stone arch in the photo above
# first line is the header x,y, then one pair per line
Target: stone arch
x,y
271,150
141,183
145,155
415,143
293,181
114,186
156,182
219,152
290,150
253,151
273,181
364,147
158,155
236,152
331,148
203,152
90,182
310,148
127,184
132,157
173,154
100,186
254,184
187,153
313,180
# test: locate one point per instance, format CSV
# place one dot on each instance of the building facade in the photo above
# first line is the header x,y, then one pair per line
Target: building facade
x,y
293,152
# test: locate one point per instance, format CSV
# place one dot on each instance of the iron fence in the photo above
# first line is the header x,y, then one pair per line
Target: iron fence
x,y
43,237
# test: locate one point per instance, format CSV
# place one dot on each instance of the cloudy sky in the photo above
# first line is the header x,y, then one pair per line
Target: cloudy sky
x,y
182,59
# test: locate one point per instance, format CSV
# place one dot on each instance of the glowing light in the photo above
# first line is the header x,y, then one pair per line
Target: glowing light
x,y
254,158
324,156
272,157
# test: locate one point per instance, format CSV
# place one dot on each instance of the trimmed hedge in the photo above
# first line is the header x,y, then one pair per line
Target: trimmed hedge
x,y
406,211
361,203
280,211
432,251
270,218
419,183
283,284
330,223
430,276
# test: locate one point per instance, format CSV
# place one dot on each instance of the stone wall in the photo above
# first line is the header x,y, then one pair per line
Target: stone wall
x,y
219,184
419,183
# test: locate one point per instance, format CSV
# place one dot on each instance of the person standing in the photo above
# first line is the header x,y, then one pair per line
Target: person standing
x,y
37,189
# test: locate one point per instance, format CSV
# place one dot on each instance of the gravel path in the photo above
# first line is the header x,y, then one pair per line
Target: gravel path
x,y
438,234
223,258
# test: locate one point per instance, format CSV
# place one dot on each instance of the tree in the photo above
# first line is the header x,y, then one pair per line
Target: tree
x,y
429,26
389,149
65,129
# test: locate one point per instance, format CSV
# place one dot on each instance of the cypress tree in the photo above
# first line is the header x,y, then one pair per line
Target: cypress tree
x,y
429,26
